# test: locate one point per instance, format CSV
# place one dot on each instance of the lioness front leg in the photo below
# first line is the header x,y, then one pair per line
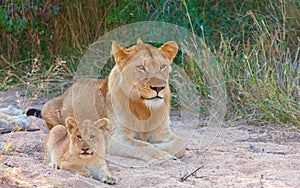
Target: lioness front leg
x,y
133,148
171,144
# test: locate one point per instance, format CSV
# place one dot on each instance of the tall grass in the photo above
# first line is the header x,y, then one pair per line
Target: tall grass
x,y
256,43
263,71
263,77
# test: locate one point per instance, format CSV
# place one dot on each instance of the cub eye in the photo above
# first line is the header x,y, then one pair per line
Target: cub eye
x,y
141,68
163,67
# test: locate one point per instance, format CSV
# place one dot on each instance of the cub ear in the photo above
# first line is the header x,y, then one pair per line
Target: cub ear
x,y
119,53
169,50
71,124
102,124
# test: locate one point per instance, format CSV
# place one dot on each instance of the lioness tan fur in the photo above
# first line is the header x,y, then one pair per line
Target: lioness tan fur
x,y
79,148
135,97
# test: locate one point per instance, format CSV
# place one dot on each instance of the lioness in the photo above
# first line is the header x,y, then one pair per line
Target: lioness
x,y
79,148
135,97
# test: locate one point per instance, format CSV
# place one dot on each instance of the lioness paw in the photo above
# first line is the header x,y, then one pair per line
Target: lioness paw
x,y
109,179
162,156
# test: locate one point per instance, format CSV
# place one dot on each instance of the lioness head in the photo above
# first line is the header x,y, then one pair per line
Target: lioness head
x,y
143,72
87,137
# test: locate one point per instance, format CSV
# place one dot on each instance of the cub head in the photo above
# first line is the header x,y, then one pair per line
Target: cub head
x,y
87,138
143,72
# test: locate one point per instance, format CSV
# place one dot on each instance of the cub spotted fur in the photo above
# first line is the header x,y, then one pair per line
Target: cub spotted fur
x,y
135,97
79,148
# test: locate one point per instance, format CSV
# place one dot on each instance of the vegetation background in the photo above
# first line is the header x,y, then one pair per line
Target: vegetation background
x,y
256,42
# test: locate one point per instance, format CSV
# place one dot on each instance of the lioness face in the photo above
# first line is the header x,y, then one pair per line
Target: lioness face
x,y
87,137
147,70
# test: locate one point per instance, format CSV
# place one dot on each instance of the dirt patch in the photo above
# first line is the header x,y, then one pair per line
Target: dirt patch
x,y
240,156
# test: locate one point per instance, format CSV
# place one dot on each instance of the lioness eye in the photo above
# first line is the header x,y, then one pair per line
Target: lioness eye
x,y
162,67
91,137
79,137
141,68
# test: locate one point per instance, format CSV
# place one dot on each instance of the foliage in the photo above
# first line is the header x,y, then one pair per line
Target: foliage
x,y
256,43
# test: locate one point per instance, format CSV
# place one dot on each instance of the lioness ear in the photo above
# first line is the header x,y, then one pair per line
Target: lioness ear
x,y
119,53
102,124
169,50
71,124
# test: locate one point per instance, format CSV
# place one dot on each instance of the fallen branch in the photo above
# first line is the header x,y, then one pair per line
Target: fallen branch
x,y
5,130
185,177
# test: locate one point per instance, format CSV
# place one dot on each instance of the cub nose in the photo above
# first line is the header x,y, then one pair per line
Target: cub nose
x,y
85,149
157,89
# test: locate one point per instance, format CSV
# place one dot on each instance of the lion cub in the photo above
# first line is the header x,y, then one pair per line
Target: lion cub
x,y
79,148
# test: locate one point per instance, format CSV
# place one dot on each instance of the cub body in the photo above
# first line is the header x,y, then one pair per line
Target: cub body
x,y
79,148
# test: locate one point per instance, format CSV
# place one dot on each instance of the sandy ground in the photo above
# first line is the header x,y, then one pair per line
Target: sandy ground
x,y
239,156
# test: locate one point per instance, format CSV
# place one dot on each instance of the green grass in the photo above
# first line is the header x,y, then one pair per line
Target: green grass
x,y
256,43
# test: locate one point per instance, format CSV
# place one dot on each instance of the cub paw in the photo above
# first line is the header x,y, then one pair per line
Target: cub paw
x,y
52,165
180,153
109,179
84,172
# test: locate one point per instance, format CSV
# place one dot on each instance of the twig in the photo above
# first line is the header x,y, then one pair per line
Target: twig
x,y
185,177
261,178
255,150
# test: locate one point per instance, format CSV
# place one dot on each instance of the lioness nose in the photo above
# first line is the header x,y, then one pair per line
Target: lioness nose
x,y
157,89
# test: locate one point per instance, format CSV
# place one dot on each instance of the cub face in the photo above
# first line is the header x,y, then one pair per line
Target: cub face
x,y
87,138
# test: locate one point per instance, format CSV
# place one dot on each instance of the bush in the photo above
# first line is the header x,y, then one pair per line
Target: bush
x,y
256,43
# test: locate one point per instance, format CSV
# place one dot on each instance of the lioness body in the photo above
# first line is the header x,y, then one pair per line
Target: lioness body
x,y
135,97
79,148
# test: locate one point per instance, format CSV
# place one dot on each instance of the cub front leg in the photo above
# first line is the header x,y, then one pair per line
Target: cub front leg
x,y
133,148
76,169
102,174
